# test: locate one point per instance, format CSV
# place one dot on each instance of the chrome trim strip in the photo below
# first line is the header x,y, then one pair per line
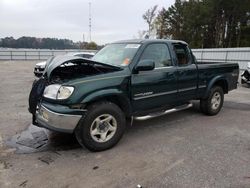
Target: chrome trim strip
x,y
187,89
155,70
155,95
143,94
202,86
167,67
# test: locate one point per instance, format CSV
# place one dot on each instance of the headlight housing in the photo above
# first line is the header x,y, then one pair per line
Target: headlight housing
x,y
64,92
56,91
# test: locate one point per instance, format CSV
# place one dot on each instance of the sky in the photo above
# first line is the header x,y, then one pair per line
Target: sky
x,y
111,19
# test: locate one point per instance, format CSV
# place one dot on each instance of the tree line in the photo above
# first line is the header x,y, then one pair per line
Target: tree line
x,y
203,23
46,43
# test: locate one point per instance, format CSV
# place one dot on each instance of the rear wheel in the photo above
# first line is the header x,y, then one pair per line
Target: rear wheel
x,y
102,127
212,105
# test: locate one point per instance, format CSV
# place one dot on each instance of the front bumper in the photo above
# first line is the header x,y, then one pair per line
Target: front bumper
x,y
58,118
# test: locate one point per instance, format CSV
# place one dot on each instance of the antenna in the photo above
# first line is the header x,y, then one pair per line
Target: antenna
x,y
89,21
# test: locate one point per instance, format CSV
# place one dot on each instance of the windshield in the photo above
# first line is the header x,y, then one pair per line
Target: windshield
x,y
117,54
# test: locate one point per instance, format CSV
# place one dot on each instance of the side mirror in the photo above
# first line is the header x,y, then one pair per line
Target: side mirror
x,y
145,65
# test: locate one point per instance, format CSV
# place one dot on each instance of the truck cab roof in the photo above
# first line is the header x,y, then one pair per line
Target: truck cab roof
x,y
144,41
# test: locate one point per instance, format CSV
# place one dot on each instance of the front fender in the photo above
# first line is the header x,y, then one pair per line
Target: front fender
x,y
101,94
113,95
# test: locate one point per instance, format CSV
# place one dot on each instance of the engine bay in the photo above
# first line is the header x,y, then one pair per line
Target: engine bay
x,y
78,69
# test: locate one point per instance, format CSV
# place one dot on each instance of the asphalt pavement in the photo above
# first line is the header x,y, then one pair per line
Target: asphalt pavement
x,y
182,149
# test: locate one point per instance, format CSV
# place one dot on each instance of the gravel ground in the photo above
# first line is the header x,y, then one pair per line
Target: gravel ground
x,y
183,149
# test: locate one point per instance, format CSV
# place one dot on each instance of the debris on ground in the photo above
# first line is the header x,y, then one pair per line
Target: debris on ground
x,y
39,140
4,165
49,158
23,184
31,143
39,136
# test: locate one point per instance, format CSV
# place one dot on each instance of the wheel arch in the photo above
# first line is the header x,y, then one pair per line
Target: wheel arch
x,y
217,81
115,96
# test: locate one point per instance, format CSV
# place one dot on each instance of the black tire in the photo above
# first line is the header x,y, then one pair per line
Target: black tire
x,y
83,130
207,106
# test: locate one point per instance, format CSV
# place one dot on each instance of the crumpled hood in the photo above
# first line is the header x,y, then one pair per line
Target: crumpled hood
x,y
59,60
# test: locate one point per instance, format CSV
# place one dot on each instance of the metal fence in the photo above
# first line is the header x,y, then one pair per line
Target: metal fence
x,y
33,54
234,55
238,55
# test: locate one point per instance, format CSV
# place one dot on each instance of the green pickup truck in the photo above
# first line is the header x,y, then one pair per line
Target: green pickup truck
x,y
126,80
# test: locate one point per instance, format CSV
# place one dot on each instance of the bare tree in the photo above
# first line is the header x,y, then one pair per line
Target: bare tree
x,y
141,34
149,17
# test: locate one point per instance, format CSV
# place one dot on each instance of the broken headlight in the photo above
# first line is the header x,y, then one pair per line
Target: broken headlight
x,y
56,91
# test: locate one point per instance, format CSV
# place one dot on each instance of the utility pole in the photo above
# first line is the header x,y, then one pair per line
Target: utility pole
x,y
90,22
83,37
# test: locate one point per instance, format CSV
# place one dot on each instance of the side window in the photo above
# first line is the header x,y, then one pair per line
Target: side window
x,y
182,54
159,53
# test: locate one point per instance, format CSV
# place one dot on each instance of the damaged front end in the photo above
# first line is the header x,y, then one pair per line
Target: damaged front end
x,y
47,96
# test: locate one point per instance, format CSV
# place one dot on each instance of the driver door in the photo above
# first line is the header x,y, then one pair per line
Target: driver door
x,y
155,88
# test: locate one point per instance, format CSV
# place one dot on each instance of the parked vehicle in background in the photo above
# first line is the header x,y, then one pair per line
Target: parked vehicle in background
x,y
245,76
87,55
39,67
140,79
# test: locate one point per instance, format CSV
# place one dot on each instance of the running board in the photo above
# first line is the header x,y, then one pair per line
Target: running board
x,y
176,109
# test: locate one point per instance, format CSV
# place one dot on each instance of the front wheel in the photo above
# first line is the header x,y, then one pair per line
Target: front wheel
x,y
213,104
102,127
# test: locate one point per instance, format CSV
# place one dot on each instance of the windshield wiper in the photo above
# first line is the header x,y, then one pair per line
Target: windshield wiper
x,y
109,65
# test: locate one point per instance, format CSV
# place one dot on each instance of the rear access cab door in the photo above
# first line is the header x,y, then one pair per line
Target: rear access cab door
x,y
187,73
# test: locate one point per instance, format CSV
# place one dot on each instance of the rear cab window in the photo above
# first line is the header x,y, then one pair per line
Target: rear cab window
x,y
182,54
